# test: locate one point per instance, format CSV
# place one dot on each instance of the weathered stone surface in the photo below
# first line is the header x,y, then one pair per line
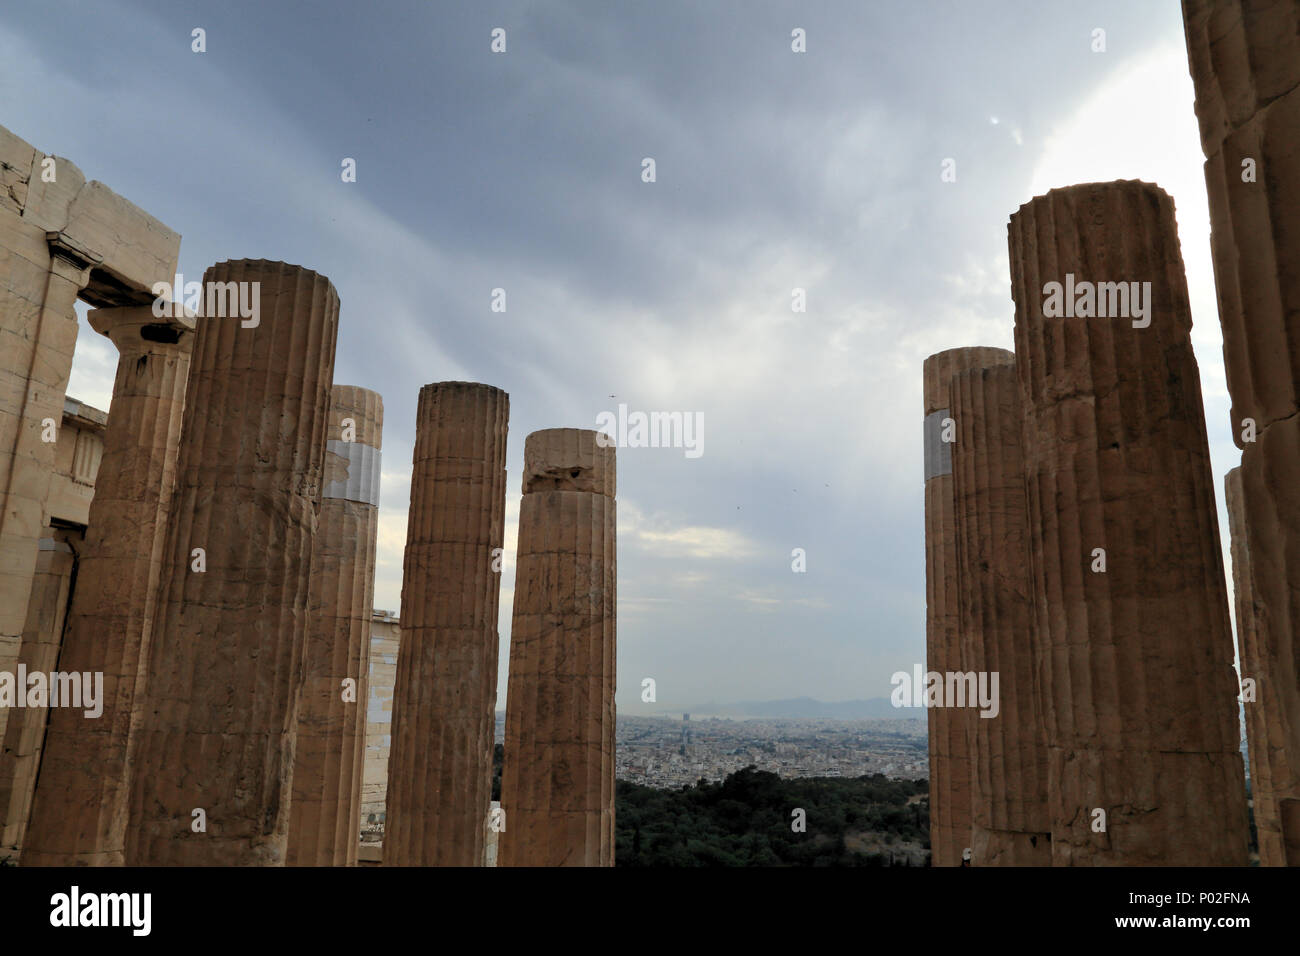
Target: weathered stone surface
x,y
76,460
557,785
40,279
134,250
218,722
1267,722
385,638
1139,692
1269,467
950,729
491,836
444,702
79,812
59,240
77,455
325,815
24,731
1245,64
1009,817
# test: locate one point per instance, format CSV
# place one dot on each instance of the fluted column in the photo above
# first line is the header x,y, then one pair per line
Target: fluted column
x,y
1245,65
950,729
79,810
1138,686
1267,721
557,784
325,816
1009,819
444,700
212,768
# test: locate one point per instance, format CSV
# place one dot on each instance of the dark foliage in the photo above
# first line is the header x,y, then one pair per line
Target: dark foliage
x,y
746,821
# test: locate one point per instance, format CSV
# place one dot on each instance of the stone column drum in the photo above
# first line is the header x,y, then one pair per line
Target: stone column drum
x,y
1009,818
1245,65
1139,692
1265,736
557,784
325,816
213,764
444,700
950,732
79,811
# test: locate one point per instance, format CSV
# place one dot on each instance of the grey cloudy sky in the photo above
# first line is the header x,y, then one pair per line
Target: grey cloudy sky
x,y
522,171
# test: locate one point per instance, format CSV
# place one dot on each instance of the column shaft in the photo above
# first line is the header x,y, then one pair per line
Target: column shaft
x,y
557,784
1010,823
79,813
444,700
1245,65
951,733
1265,736
212,767
1138,687
325,817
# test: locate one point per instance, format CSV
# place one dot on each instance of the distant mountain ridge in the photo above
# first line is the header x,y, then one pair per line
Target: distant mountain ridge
x,y
805,708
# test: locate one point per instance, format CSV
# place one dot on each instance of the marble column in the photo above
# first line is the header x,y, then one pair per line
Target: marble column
x,y
557,784
1245,66
325,817
444,700
212,763
1139,691
950,729
79,812
1009,817
1264,699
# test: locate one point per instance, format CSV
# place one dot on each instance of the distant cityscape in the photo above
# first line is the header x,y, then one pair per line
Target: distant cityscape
x,y
662,752
673,751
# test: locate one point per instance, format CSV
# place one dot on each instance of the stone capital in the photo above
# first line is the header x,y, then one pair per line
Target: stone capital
x,y
136,328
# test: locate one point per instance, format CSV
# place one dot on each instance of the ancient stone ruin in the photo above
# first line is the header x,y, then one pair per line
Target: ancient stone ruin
x,y
1010,825
1245,64
212,771
444,701
950,728
61,239
1131,610
208,549
557,787
325,815
80,805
